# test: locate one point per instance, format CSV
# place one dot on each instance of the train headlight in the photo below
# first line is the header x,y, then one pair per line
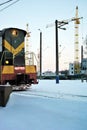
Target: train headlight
x,y
14,32
7,62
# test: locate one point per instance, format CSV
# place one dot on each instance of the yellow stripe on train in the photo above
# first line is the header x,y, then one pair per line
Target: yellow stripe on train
x,y
12,49
30,69
8,69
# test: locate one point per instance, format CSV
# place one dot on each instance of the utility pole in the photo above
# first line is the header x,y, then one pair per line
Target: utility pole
x,y
57,52
58,25
40,53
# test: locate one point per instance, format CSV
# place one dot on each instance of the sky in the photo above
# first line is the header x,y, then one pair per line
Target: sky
x,y
38,14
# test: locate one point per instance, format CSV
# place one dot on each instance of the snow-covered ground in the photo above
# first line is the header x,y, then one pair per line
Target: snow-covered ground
x,y
47,106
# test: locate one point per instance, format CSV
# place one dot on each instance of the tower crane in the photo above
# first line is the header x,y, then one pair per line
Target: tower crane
x,y
27,46
76,20
76,44
29,56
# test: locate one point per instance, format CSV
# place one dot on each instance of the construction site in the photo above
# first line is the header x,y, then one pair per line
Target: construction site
x,y
75,68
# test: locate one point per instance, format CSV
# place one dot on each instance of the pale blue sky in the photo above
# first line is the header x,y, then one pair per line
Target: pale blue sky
x,y
39,13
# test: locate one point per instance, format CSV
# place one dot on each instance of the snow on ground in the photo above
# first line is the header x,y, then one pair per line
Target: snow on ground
x,y
47,106
65,89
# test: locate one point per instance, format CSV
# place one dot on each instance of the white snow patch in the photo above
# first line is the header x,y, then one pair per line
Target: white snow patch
x,y
47,106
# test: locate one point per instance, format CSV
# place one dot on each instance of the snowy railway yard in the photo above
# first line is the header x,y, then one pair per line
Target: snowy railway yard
x,y
47,106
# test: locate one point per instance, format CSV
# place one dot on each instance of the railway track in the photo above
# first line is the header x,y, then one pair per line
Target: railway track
x,y
21,87
55,95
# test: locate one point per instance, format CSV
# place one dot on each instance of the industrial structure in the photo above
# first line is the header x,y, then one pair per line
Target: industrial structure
x,y
59,24
30,56
76,44
27,46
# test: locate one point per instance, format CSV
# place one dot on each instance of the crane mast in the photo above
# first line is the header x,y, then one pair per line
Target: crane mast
x,y
76,44
27,46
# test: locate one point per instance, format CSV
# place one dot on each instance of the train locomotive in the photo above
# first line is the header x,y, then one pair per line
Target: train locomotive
x,y
13,69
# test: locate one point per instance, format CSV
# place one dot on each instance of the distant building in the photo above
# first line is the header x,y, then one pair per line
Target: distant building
x,y
48,73
72,69
84,66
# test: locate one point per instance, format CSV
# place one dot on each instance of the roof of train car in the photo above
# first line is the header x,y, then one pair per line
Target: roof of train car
x,y
5,29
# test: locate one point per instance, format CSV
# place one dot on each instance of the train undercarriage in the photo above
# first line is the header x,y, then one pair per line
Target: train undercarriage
x,y
19,79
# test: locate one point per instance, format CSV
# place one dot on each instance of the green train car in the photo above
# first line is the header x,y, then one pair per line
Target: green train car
x,y
12,58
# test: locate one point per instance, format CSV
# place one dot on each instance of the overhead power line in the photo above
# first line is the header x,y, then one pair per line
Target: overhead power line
x,y
5,2
9,4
